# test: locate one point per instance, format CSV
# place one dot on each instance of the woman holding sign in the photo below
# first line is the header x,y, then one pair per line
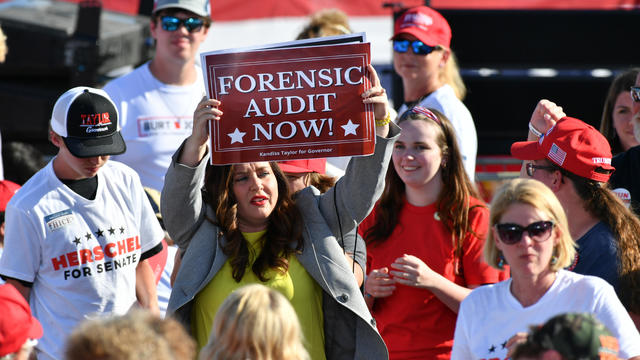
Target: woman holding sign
x,y
424,240
245,227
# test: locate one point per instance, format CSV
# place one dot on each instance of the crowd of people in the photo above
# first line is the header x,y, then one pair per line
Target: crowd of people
x,y
129,244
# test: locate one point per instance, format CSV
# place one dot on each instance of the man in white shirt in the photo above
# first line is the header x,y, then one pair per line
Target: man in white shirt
x,y
156,100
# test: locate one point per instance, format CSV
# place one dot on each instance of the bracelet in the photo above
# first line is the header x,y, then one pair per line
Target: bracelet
x,y
534,130
385,121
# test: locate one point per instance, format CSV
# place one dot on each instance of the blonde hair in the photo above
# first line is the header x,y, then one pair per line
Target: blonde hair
x,y
138,335
531,192
450,75
258,323
327,22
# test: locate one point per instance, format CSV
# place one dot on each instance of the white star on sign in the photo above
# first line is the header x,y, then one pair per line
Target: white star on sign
x,y
236,136
350,128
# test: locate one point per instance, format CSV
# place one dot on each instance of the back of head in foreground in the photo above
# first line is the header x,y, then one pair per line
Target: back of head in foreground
x,y
258,323
569,336
138,335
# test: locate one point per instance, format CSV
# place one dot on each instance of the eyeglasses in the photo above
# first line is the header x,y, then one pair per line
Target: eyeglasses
x,y
635,93
172,23
538,231
531,168
419,48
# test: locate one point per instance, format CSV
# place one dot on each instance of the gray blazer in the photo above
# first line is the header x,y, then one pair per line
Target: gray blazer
x,y
349,329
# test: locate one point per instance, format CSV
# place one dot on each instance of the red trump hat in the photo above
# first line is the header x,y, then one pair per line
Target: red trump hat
x,y
16,323
425,24
7,189
574,146
304,166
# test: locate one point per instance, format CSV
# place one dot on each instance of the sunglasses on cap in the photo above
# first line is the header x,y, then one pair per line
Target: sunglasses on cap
x,y
419,48
538,231
635,93
172,23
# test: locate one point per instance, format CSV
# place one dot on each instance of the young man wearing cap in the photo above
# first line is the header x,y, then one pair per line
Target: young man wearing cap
x,y
78,233
574,160
156,100
423,58
19,330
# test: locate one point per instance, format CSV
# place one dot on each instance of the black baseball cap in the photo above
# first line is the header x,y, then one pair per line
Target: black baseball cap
x,y
87,120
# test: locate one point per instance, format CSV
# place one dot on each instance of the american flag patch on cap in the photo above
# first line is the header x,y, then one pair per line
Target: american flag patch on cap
x,y
556,154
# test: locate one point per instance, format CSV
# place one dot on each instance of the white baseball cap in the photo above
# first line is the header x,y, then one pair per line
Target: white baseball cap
x,y
198,7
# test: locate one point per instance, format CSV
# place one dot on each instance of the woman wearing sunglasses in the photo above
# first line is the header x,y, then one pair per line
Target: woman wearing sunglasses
x,y
529,232
422,57
424,240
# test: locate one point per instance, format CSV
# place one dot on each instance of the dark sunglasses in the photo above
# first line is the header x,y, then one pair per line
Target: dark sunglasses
x,y
531,168
635,93
172,23
419,48
511,234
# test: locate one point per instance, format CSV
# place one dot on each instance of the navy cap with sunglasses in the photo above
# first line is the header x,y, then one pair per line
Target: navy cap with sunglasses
x,y
172,23
418,47
538,231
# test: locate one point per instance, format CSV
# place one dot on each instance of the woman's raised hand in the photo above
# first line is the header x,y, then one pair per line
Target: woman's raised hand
x,y
545,115
196,145
377,96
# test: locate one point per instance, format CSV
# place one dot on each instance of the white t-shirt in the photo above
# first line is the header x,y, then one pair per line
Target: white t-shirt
x,y
444,100
155,119
490,315
81,255
164,285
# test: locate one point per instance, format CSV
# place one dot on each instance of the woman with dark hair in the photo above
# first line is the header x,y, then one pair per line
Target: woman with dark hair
x,y
616,124
424,240
245,227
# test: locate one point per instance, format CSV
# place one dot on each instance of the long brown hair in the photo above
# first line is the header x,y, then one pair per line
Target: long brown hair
x,y
453,200
284,230
602,203
621,83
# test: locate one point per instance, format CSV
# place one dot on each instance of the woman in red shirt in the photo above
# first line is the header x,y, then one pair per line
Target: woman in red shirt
x,y
424,240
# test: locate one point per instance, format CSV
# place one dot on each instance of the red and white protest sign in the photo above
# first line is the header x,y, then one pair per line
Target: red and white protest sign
x,y
290,103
